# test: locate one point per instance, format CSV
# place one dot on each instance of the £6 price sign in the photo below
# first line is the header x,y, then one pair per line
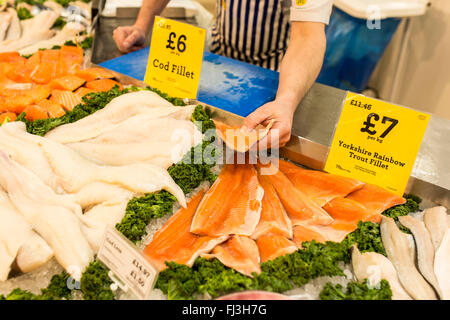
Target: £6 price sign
x,y
376,142
175,60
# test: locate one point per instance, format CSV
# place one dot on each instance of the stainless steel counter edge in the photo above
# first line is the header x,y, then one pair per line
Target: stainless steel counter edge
x,y
314,124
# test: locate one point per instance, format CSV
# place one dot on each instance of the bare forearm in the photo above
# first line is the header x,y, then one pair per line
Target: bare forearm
x,y
149,9
302,62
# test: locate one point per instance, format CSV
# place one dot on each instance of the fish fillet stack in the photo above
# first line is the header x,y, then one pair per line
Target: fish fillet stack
x,y
248,217
59,193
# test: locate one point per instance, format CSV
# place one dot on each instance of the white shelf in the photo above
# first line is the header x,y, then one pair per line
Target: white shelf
x,y
364,9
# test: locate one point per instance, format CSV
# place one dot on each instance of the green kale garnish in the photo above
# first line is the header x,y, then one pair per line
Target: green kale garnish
x,y
411,205
368,238
202,119
19,294
87,43
357,291
140,211
95,283
175,101
57,289
59,23
24,14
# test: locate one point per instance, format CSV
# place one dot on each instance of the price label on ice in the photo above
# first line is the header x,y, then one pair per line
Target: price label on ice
x,y
175,60
127,263
376,142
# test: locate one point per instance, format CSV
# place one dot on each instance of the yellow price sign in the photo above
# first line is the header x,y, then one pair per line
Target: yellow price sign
x,y
175,60
376,142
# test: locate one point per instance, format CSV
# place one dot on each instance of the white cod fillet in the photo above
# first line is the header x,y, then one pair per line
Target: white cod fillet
x,y
76,172
34,253
139,139
59,226
22,147
14,30
98,192
435,220
442,265
376,267
99,218
69,32
33,30
5,20
14,231
119,109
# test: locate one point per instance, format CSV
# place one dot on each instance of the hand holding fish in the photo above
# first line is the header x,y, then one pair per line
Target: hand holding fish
x,y
281,115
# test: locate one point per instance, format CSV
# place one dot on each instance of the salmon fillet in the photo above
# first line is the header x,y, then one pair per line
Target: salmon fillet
x,y
174,242
346,214
67,99
300,208
321,187
102,85
232,205
274,246
376,200
274,219
240,253
238,138
81,92
94,73
69,83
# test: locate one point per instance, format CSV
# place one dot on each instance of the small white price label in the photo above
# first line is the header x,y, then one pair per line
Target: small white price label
x,y
127,263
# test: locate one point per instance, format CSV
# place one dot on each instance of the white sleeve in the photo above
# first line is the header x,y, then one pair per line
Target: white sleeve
x,y
311,10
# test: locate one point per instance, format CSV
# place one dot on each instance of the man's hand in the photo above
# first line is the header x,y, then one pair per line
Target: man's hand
x,y
129,38
282,114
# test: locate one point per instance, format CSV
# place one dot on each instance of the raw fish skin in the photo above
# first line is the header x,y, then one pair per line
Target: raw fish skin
x,y
27,153
174,242
34,253
442,265
321,187
239,253
376,267
398,251
425,249
76,172
232,205
376,200
300,208
435,220
274,219
57,225
98,192
274,246
119,109
96,220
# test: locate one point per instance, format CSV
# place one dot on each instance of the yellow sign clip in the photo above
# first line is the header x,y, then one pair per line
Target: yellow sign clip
x,y
376,142
175,60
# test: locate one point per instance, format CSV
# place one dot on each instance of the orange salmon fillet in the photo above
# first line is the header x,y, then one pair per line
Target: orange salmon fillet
x,y
54,110
81,92
69,83
94,73
232,205
67,99
237,138
274,246
240,253
102,85
11,57
174,242
274,219
376,200
35,112
300,208
321,187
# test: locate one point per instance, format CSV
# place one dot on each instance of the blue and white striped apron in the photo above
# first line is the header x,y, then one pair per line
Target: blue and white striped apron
x,y
254,31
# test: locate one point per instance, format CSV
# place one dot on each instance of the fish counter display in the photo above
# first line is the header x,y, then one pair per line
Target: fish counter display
x,y
150,166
